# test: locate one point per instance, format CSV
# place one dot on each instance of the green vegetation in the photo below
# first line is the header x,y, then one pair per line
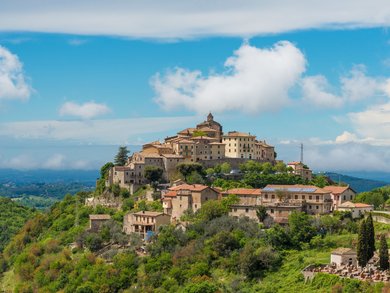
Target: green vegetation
x,y
383,253
366,241
216,253
376,197
12,218
121,157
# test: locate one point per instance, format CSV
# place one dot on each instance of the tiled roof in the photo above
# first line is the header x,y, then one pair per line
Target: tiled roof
x,y
336,189
99,217
294,163
170,193
190,187
349,204
343,250
244,191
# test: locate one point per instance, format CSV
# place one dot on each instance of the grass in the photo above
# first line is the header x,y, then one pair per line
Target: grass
x,y
7,283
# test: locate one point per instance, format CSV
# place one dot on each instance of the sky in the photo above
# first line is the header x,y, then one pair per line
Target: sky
x,y
80,78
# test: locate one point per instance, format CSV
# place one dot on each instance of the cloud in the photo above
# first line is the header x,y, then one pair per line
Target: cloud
x,y
188,19
87,110
13,85
315,91
56,161
254,80
354,87
348,157
104,132
358,86
373,122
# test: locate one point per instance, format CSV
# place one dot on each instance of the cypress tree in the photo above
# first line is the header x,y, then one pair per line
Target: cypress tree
x,y
362,245
121,156
383,254
370,237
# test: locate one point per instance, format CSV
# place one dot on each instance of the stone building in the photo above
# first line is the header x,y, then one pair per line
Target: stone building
x,y
340,194
313,199
96,222
182,197
301,170
357,209
144,223
343,256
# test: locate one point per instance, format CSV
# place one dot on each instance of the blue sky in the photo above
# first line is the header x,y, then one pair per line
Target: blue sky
x,y
71,92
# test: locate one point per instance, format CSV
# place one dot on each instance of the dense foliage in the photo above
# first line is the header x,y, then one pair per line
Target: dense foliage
x,y
12,218
214,253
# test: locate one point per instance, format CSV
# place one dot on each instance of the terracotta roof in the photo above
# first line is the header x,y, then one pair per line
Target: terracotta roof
x,y
185,131
170,193
190,187
294,163
349,204
244,191
148,213
336,189
99,217
217,143
152,156
342,250
184,140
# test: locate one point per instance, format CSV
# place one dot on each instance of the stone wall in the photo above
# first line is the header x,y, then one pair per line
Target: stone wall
x,y
234,162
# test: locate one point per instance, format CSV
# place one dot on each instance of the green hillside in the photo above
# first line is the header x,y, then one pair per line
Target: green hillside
x,y
216,253
12,218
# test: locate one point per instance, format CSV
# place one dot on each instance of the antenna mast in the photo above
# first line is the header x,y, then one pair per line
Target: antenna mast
x,y
301,152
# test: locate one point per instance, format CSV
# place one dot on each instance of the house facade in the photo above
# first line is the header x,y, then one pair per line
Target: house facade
x,y
182,197
340,195
313,199
144,223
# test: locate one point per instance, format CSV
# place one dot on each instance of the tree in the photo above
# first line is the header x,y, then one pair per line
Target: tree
x,y
362,245
370,237
300,226
280,167
121,156
319,181
226,168
153,173
261,213
187,169
104,170
383,253
267,168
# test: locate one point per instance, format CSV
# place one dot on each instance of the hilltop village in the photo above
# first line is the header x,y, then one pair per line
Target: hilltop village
x,y
209,146
205,144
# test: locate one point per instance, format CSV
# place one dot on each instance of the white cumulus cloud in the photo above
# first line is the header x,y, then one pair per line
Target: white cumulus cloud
x,y
316,90
13,83
87,110
254,80
354,87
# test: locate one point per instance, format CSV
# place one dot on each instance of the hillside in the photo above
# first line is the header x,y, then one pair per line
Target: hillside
x,y
358,184
216,253
12,218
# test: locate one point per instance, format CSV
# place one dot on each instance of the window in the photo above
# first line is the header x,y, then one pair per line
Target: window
x,y
317,207
246,210
265,195
235,210
180,205
303,197
273,196
296,196
196,206
310,197
317,198
272,211
207,198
